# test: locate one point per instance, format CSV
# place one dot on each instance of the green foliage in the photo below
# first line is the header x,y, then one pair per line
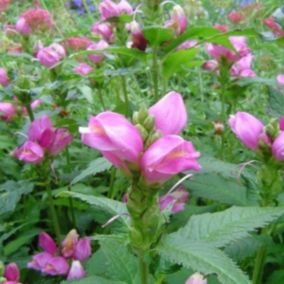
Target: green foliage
x,y
276,102
93,280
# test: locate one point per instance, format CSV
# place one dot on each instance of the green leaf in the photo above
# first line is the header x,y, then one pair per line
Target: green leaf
x,y
221,228
157,35
216,187
176,61
97,166
129,52
11,193
275,102
201,257
110,206
92,280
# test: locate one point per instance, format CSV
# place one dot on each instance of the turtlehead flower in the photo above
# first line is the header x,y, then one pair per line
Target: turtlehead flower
x,y
235,17
109,9
170,114
117,139
103,29
30,152
97,58
249,130
35,19
196,278
47,243
137,37
50,56
12,273
69,243
83,69
167,157
280,79
242,68
83,249
76,271
178,20
77,43
7,111
278,147
4,79
175,200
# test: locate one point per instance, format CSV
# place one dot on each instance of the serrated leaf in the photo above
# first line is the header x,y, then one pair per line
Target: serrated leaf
x,y
201,257
97,166
275,102
110,206
176,61
216,187
221,228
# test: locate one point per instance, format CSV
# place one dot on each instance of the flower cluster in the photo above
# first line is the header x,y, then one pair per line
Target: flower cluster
x,y
253,134
43,139
165,156
240,60
66,260
32,20
11,274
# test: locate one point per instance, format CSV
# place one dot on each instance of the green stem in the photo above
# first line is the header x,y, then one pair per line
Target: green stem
x,y
101,98
30,112
155,71
125,94
259,265
143,269
54,216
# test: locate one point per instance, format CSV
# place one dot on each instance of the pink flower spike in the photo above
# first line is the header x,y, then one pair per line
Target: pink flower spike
x,y
69,244
12,272
280,79
278,147
76,271
281,123
30,152
196,278
7,111
169,113
113,135
56,265
178,20
167,157
248,129
47,243
4,79
83,249
61,139
83,69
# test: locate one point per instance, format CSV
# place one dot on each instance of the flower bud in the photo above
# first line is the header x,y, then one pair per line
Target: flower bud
x,y
178,20
12,272
196,278
278,147
76,271
69,244
96,58
47,243
235,17
149,123
103,29
4,79
167,157
51,55
218,127
7,111
143,132
83,249
83,69
170,114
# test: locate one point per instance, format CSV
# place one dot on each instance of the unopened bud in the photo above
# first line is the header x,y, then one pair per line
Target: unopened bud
x,y
149,123
143,114
135,117
272,129
142,131
218,127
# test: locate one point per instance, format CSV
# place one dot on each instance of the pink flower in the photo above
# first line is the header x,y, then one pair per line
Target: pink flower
x,y
77,43
242,68
175,200
240,45
12,272
103,29
178,20
248,129
76,271
47,243
109,9
83,249
7,111
281,123
278,147
218,52
210,65
187,44
4,79
112,134
35,104
280,79
167,157
39,261
56,265
83,69
35,19
51,55
235,17
221,28
30,152
96,58
137,37
196,278
170,114
69,244
4,4
273,26
61,138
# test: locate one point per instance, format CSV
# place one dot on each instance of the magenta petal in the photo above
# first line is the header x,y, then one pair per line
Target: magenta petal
x,y
62,138
12,272
38,126
30,152
39,261
278,147
56,265
281,123
47,243
280,79
76,271
83,249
